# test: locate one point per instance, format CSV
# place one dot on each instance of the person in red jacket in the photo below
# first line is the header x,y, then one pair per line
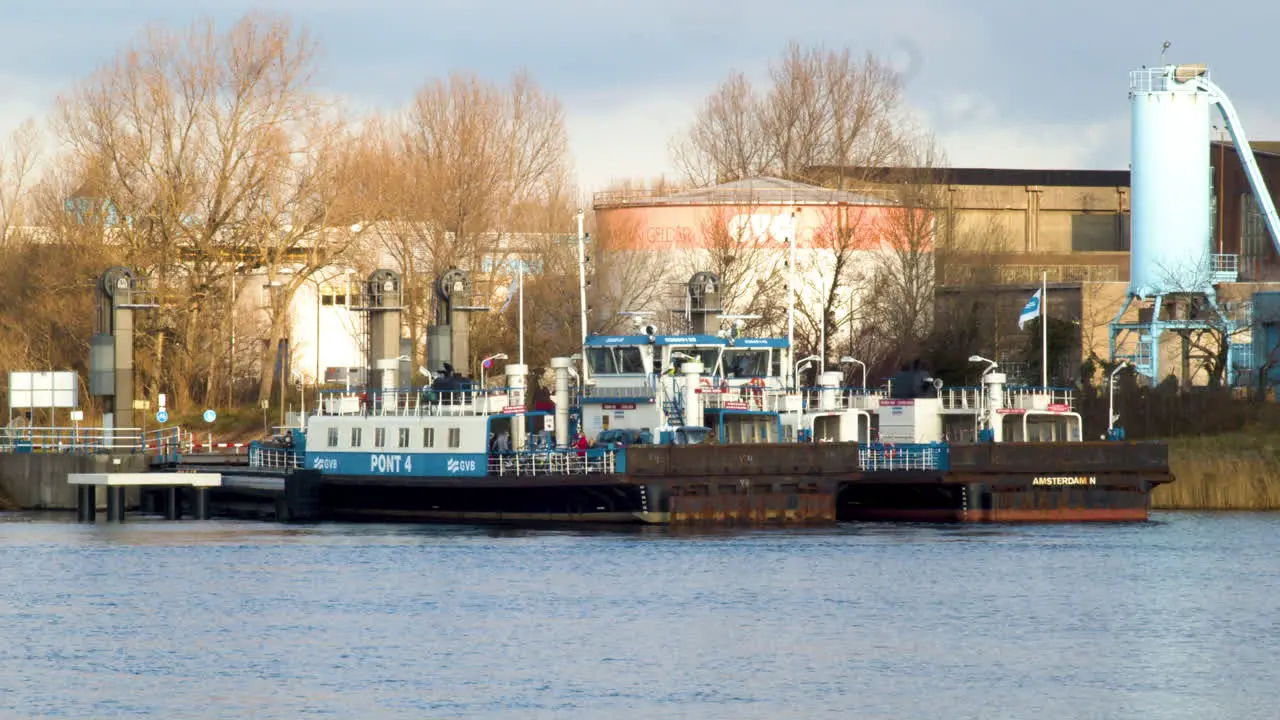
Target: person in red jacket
x,y
581,444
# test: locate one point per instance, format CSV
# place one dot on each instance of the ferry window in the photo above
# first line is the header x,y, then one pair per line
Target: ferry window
x,y
455,437
615,361
404,437
355,437
746,363
428,437
707,356
333,437
379,437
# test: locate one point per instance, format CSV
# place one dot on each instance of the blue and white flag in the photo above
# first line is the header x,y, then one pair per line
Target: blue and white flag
x,y
511,292
1030,311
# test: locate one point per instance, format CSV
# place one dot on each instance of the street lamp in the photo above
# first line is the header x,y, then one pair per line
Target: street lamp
x,y
991,364
484,364
848,360
801,364
1111,396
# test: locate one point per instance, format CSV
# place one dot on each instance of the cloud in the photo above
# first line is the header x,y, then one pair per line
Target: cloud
x,y
625,135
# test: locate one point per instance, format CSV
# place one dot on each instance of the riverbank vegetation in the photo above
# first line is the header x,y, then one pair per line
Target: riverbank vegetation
x,y
1235,471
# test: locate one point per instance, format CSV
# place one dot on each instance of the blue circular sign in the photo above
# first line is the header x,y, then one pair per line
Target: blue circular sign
x,y
162,416
210,415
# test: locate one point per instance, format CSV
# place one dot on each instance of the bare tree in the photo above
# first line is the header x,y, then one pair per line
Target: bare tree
x,y
306,216
901,298
822,108
749,257
728,140
834,273
472,158
186,129
630,275
17,161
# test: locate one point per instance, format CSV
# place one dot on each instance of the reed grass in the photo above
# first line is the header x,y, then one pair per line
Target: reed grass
x,y
1234,471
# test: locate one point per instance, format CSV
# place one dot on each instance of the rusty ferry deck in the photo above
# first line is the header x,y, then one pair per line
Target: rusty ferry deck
x,y
783,484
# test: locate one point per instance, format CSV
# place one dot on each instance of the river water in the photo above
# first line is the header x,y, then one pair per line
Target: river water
x,y
1175,618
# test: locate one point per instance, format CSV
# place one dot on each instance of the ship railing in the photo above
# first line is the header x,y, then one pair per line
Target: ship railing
x,y
594,461
1038,398
840,398
87,439
745,397
269,458
960,398
414,402
619,391
904,456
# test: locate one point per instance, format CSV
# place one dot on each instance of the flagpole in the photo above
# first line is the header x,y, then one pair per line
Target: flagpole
x,y
522,312
1045,331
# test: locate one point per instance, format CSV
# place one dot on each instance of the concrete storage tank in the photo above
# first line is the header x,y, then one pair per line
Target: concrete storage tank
x,y
1171,181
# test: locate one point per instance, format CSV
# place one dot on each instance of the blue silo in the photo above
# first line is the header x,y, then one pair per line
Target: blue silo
x,y
1172,270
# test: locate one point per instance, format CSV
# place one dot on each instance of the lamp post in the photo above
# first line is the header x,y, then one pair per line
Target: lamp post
x,y
801,364
849,360
484,364
1111,396
982,390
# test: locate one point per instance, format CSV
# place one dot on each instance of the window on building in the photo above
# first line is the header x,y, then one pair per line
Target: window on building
x,y
404,437
355,437
379,437
333,296
333,437
428,437
1253,230
455,437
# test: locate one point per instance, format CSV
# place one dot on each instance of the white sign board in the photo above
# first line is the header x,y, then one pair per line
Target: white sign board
x,y
43,390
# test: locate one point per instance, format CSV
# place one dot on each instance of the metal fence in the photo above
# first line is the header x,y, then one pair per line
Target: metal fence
x,y
555,462
164,441
891,456
268,458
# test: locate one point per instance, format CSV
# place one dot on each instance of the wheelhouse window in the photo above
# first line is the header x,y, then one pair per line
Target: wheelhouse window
x,y
615,361
708,356
404,437
746,363
355,437
428,437
455,437
379,437
333,437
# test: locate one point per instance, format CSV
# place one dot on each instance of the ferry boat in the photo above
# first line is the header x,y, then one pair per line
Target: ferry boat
x,y
703,427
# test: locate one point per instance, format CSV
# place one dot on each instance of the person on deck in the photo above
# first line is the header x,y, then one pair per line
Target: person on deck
x,y
581,444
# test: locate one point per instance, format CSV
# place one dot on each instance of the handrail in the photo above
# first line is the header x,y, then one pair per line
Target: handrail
x,y
556,461
165,441
906,456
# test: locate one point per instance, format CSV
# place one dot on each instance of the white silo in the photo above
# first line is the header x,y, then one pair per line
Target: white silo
x,y
1171,182
1172,270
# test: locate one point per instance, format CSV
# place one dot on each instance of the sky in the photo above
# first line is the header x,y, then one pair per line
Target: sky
x,y
1000,83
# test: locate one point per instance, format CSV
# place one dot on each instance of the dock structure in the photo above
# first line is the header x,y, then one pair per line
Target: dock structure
x,y
87,485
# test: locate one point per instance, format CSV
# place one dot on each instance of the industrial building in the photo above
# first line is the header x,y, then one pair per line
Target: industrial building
x,y
747,232
1086,231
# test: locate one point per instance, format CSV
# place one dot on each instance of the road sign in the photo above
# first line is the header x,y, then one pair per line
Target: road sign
x,y
162,416
210,415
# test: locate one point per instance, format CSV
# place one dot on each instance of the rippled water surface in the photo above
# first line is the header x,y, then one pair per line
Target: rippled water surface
x,y
1176,618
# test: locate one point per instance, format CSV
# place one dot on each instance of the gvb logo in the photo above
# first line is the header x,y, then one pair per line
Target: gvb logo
x,y
453,465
